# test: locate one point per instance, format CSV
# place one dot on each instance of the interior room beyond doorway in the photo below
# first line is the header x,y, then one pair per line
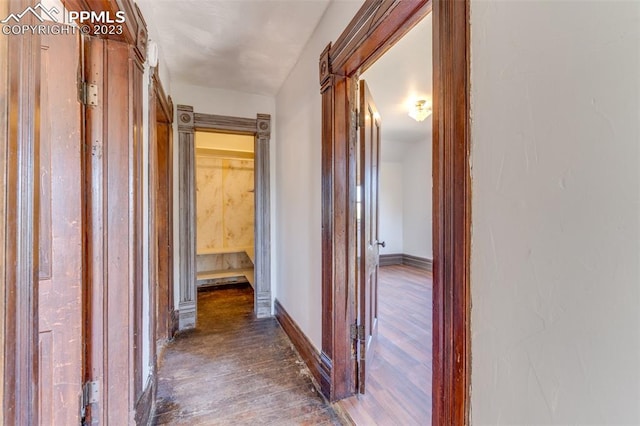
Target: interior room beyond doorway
x,y
225,209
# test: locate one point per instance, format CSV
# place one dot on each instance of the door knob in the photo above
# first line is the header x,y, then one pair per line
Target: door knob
x,y
383,244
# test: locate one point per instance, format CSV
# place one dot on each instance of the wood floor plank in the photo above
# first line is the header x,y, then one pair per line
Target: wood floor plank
x,y
236,370
399,389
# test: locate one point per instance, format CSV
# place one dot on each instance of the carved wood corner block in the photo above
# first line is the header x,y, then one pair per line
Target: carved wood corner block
x,y
263,125
185,118
141,42
325,65
142,33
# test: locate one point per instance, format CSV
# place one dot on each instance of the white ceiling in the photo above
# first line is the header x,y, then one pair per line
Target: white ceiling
x,y
252,45
401,76
244,45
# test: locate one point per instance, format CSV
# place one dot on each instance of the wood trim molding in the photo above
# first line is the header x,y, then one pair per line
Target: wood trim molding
x,y
225,124
391,259
165,112
363,24
134,27
161,193
185,118
307,351
19,252
188,123
417,262
174,317
406,259
374,29
262,211
146,404
186,218
338,250
451,213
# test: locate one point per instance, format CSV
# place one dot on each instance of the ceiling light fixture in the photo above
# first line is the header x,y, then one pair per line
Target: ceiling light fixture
x,y
420,110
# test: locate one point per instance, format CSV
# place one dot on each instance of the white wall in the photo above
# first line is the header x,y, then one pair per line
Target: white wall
x,y
232,103
298,177
555,273
417,196
390,204
221,101
405,202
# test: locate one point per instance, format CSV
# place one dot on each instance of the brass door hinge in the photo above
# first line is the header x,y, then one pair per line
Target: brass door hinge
x,y
90,395
357,332
88,93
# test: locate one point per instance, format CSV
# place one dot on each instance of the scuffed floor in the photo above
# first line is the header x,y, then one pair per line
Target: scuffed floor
x,y
236,370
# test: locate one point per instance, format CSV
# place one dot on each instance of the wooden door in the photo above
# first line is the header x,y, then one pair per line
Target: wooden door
x,y
114,230
368,246
60,234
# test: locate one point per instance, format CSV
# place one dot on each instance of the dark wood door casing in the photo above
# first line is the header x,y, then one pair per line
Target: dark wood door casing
x,y
19,149
161,207
451,214
374,29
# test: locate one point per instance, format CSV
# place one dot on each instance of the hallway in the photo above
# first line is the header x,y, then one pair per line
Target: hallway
x,y
235,369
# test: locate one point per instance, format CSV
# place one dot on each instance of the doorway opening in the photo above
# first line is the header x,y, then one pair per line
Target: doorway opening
x,y
225,210
258,132
375,28
394,235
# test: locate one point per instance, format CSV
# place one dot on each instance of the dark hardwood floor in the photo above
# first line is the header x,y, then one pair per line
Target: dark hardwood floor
x,y
399,387
236,370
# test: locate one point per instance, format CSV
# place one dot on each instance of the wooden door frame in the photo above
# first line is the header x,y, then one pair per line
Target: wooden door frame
x,y
374,29
113,197
260,127
114,216
161,114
